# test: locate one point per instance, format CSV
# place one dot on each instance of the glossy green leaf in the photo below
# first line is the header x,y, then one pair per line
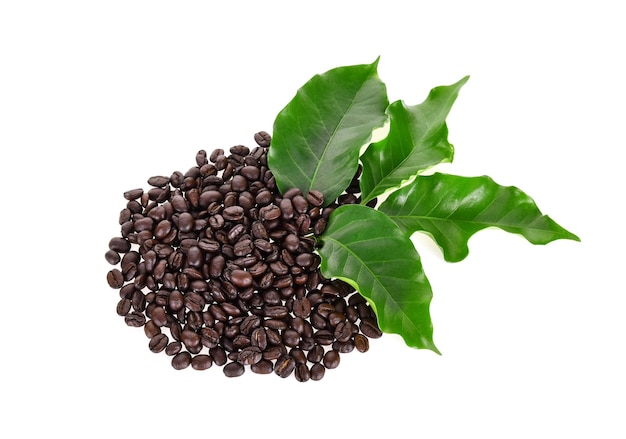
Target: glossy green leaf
x,y
317,137
365,248
452,208
417,140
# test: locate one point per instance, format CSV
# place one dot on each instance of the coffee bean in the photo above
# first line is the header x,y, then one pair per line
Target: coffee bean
x,y
262,138
201,362
317,371
233,213
151,329
115,278
133,194
302,373
173,348
158,343
135,319
361,343
123,307
370,328
181,360
263,367
112,257
233,369
284,366
331,359
315,198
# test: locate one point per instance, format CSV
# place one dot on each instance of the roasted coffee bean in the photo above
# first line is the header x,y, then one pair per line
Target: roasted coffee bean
x,y
276,312
284,366
135,319
123,307
173,348
249,355
262,138
302,307
133,194
112,257
201,362
370,328
233,369
317,371
181,360
361,343
291,338
151,329
316,354
331,359
303,374
263,367
115,278
158,343
233,213
315,198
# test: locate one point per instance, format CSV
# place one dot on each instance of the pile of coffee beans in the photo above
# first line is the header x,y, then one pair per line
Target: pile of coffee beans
x,y
219,267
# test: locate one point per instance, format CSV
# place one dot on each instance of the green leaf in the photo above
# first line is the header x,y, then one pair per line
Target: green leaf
x,y
452,208
417,140
317,137
365,248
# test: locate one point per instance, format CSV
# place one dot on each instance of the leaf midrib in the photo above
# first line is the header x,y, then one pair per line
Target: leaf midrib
x,y
470,222
326,147
376,280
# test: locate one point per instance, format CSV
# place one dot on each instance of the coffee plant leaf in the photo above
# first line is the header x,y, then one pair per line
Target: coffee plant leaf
x,y
363,247
452,208
318,136
417,140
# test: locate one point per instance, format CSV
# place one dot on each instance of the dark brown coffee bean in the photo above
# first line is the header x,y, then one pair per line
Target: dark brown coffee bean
x,y
241,278
262,367
194,302
315,198
276,312
343,331
302,307
274,352
233,369
201,362
249,355
270,212
331,359
112,257
303,374
173,348
316,354
258,338
300,204
317,371
361,343
133,194
284,366
324,337
159,181
190,338
370,328
216,266
291,338
181,360
115,278
158,343
243,247
135,319
291,242
151,329
233,213
262,139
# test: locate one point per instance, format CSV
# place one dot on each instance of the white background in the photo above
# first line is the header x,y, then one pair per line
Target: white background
x,y
95,97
